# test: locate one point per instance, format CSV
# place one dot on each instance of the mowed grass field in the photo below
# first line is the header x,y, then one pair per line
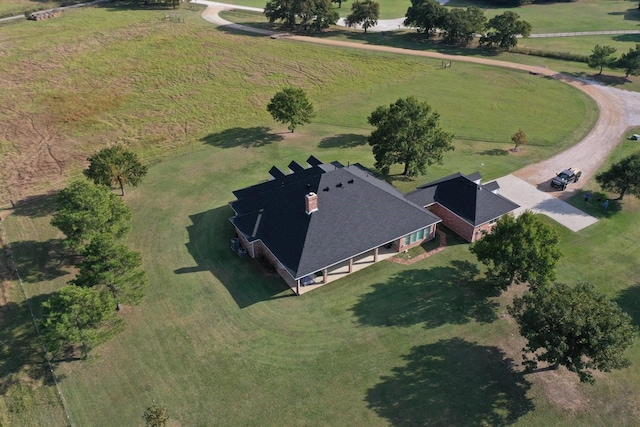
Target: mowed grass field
x,y
217,342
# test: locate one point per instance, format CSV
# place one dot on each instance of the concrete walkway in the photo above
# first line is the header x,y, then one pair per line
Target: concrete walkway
x,y
529,197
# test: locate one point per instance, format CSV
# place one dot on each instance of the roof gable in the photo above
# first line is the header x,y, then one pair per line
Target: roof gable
x,y
475,203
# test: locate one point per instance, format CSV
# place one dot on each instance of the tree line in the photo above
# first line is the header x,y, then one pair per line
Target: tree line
x,y
83,314
457,25
460,26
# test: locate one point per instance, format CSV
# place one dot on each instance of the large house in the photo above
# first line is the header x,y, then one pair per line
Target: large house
x,y
325,220
466,206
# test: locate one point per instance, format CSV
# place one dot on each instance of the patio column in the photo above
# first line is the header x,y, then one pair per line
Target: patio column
x,y
375,255
350,265
325,275
298,287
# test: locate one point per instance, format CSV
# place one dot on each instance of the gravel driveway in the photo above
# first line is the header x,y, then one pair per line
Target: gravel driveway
x,y
529,197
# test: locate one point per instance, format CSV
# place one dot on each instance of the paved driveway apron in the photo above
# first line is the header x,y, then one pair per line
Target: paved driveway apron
x,y
529,197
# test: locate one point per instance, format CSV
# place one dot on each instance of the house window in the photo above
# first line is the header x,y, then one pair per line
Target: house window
x,y
414,237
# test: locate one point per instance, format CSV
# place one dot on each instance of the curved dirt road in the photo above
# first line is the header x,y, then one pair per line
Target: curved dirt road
x,y
619,109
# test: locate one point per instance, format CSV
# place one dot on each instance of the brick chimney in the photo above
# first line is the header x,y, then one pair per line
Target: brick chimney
x,y
310,203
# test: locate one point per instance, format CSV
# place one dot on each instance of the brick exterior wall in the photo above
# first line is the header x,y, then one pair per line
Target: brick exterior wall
x,y
486,227
461,227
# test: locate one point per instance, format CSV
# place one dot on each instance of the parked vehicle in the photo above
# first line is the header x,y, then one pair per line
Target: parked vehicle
x,y
565,178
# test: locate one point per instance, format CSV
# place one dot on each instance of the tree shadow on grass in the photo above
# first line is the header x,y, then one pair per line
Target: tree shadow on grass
x,y
40,261
22,358
242,137
452,383
494,152
345,140
209,244
629,302
36,206
433,297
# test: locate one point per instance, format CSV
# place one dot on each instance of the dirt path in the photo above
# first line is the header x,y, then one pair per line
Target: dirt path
x,y
619,109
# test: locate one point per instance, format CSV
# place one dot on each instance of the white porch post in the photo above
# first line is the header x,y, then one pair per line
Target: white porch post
x,y
350,265
375,255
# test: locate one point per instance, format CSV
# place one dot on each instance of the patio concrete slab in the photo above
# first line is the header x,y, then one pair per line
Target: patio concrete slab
x,y
529,197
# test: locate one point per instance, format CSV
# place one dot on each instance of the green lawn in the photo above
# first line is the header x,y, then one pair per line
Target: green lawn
x,y
215,341
582,45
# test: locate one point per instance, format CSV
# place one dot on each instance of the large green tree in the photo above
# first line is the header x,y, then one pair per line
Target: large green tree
x,y
425,15
113,268
575,327
601,56
502,30
622,177
461,25
522,249
115,166
630,62
292,106
78,316
85,210
363,12
316,14
408,132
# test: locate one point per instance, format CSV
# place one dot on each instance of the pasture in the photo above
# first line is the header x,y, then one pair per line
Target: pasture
x,y
218,342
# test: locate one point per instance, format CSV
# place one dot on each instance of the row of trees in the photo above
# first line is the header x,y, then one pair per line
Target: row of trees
x,y
460,26
602,56
94,221
573,326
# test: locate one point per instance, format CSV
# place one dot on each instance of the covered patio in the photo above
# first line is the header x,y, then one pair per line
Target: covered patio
x,y
342,269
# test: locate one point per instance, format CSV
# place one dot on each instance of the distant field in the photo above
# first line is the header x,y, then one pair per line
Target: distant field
x,y
584,44
18,7
157,85
582,15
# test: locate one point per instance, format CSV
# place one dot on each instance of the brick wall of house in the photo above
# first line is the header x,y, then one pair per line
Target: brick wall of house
x,y
488,227
461,227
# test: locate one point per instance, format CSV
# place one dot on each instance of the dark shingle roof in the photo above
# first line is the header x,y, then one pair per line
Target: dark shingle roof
x,y
473,202
356,213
